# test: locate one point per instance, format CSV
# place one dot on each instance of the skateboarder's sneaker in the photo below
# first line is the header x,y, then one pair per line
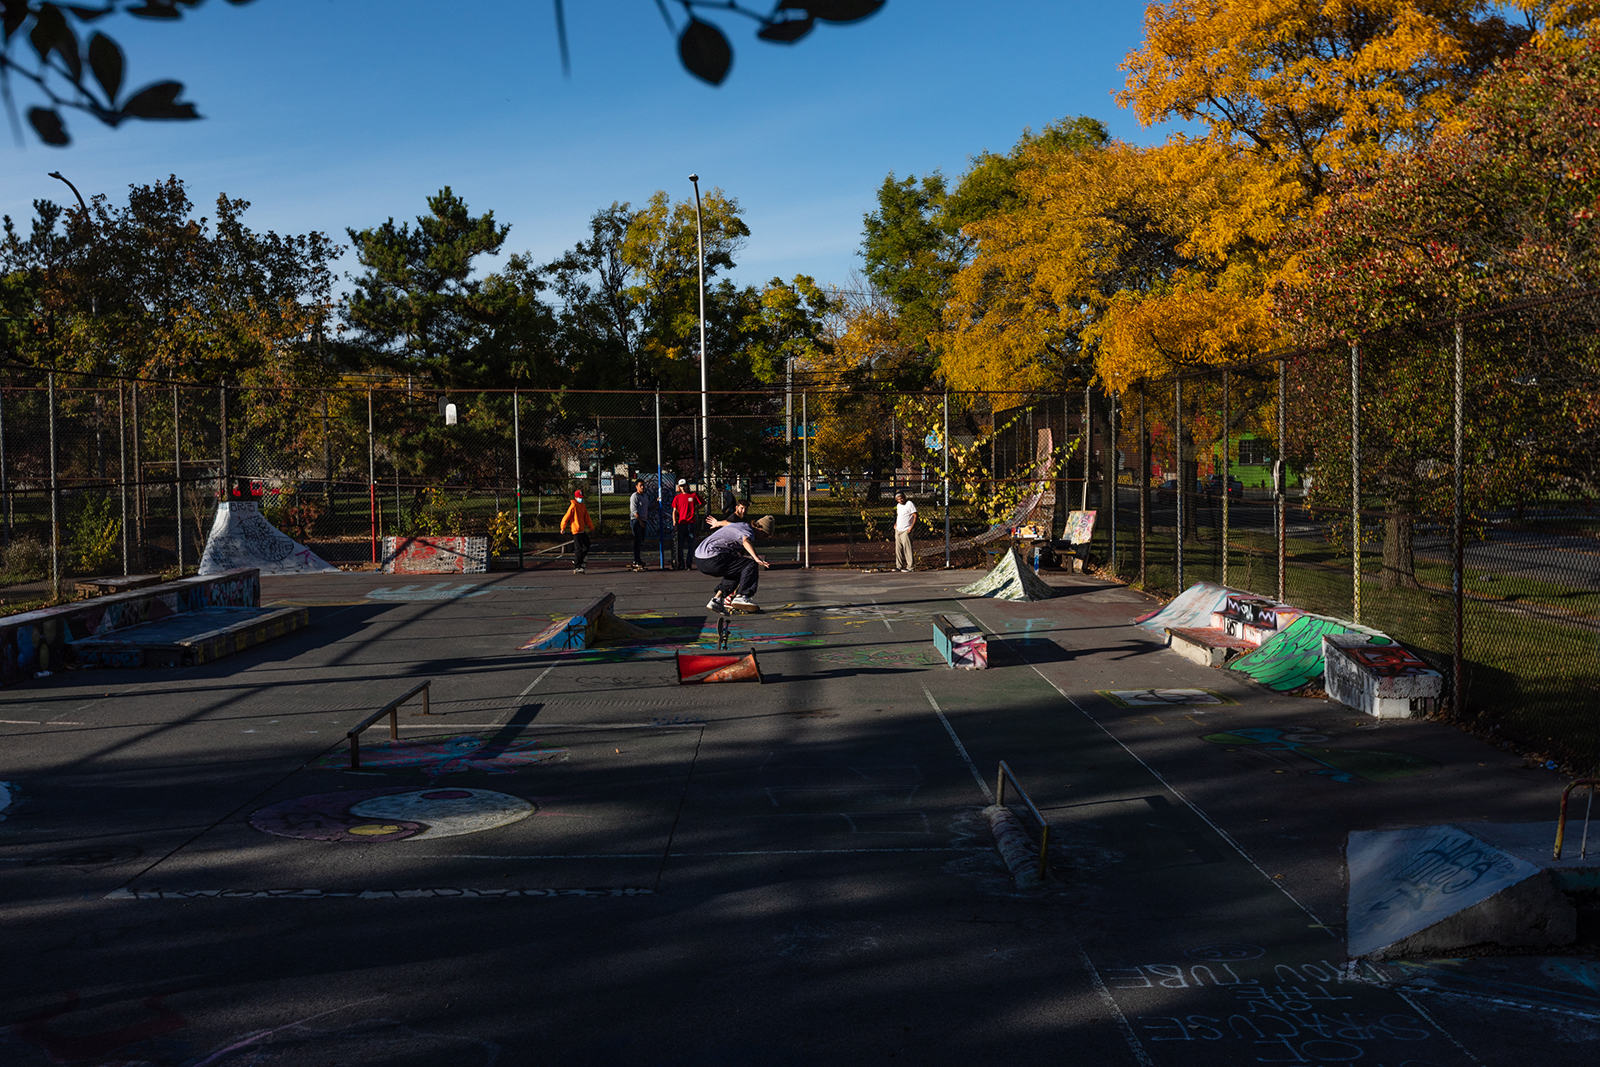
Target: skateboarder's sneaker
x,y
716,604
739,600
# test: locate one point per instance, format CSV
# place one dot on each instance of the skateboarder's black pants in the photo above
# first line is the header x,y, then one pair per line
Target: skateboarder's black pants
x,y
737,571
638,540
580,549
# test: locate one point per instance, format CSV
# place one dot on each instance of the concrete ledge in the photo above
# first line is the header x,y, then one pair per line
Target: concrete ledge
x,y
960,642
1207,646
37,640
435,555
190,639
1384,681
595,623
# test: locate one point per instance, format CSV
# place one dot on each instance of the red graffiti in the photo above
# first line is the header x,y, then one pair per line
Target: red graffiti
x,y
74,1048
1388,661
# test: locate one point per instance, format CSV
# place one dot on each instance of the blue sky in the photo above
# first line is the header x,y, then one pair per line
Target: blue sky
x,y
334,113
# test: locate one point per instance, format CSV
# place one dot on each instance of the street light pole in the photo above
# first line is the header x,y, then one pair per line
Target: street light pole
x,y
705,403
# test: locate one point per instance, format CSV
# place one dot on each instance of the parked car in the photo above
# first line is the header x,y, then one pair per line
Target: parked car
x,y
1235,487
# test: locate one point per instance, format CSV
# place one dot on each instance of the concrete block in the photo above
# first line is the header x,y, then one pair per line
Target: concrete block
x,y
1384,681
961,642
1207,646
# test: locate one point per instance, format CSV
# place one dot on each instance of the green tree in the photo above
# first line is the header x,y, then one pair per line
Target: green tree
x,y
420,309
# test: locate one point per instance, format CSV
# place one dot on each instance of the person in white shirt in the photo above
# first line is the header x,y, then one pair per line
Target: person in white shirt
x,y
905,518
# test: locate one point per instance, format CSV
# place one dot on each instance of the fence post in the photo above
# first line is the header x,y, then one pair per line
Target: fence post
x,y
1355,483
1282,487
661,493
1177,452
516,444
1088,445
122,470
5,485
946,479
55,494
177,478
227,470
805,488
1144,489
788,433
1112,411
372,479
1458,585
138,479
1225,470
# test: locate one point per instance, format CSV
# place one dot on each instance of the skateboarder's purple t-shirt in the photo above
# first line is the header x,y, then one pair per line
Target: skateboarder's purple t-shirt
x,y
724,539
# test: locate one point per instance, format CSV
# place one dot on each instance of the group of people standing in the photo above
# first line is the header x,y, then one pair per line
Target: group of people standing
x,y
727,552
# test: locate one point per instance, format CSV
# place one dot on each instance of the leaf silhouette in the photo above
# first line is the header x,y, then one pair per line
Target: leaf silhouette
x,y
105,59
705,52
155,9
47,124
52,34
834,10
158,101
787,32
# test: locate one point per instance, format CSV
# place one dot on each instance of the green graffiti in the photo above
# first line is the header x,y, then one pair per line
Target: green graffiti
x,y
1293,659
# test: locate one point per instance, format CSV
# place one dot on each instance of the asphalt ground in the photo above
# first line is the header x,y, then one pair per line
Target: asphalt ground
x,y
641,873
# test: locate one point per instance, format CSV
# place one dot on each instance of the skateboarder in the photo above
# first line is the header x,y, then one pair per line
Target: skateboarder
x,y
684,508
576,522
639,508
729,553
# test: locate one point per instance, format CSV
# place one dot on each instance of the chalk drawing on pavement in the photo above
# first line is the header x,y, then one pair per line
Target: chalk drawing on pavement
x,y
1225,952
878,658
78,1047
1340,764
396,814
1154,698
437,591
457,755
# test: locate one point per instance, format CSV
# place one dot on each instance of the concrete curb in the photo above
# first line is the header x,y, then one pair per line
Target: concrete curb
x,y
1016,847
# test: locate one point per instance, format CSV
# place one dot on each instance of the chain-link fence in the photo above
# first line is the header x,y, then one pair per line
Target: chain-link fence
x,y
1438,483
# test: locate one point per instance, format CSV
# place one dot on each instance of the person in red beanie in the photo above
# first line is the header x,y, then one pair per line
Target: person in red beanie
x,y
576,522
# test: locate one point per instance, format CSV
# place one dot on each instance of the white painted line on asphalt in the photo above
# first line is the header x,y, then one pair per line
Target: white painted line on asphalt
x,y
38,722
881,618
1435,1024
1220,832
1111,1002
536,681
445,892
551,725
973,767
697,855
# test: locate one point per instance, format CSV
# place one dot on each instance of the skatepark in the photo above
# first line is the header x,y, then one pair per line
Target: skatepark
x,y
573,857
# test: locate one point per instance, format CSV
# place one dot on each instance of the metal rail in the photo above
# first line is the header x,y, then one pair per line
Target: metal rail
x,y
1044,827
391,709
1561,822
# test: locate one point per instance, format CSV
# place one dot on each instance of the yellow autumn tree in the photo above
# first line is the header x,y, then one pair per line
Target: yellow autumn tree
x,y
1132,260
1322,84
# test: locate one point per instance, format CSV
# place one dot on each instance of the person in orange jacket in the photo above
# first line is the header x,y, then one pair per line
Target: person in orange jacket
x,y
576,522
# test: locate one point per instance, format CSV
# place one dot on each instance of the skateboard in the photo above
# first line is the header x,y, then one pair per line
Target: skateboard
x,y
636,566
725,608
